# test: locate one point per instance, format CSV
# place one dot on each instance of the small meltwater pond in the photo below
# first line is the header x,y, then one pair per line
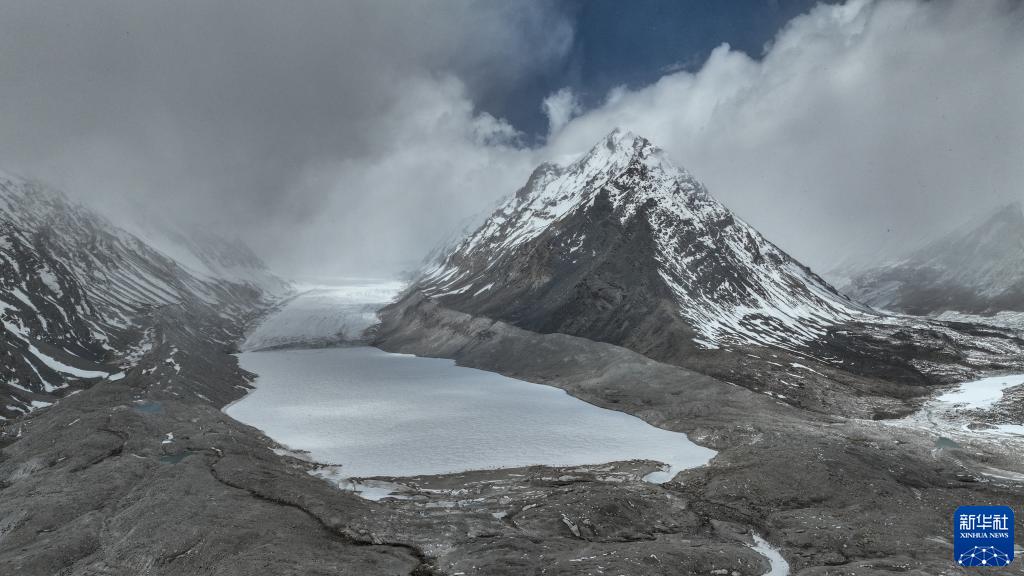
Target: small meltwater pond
x,y
380,414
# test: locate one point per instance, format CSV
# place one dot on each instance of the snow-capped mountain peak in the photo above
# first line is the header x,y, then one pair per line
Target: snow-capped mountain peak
x,y
554,190
624,203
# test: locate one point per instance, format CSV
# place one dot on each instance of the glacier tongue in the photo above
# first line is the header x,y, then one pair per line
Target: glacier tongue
x,y
324,315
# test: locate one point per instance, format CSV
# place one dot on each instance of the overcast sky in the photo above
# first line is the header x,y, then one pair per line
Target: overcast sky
x,y
347,137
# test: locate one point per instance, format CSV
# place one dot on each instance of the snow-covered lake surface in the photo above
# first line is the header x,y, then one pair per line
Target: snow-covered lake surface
x,y
324,315
949,413
381,414
982,393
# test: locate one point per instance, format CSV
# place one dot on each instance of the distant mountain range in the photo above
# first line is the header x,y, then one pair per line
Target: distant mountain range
x,y
977,269
72,286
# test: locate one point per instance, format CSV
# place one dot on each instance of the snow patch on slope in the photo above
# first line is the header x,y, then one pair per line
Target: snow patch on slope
x,y
730,283
58,366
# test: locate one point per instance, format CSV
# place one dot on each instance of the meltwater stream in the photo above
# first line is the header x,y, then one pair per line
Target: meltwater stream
x,y
380,414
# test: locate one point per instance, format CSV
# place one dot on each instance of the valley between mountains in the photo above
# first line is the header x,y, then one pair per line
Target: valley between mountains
x,y
823,434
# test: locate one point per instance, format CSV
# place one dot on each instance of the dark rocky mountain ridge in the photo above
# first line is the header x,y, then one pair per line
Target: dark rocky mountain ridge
x,y
584,281
621,234
72,287
622,247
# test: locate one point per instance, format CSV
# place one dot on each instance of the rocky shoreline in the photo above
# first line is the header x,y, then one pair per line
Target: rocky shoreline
x,y
836,495
146,474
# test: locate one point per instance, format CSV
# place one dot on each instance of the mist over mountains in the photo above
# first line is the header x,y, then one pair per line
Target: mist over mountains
x,y
75,287
296,131
567,288
614,276
978,268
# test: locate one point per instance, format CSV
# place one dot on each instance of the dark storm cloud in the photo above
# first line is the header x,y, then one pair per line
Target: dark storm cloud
x,y
217,112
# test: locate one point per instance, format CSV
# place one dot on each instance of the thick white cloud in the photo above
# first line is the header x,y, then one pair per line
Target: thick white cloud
x,y
560,107
431,163
344,138
236,116
864,126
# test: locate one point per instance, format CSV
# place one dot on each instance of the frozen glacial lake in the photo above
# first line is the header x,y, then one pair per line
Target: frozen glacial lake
x,y
944,414
380,414
982,393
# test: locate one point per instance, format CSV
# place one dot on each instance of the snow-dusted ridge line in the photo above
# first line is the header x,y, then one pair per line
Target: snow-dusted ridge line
x,y
729,282
119,271
72,281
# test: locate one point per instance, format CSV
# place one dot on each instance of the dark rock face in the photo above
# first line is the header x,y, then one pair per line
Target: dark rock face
x,y
821,487
976,269
146,475
622,247
759,360
114,455
71,288
606,288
